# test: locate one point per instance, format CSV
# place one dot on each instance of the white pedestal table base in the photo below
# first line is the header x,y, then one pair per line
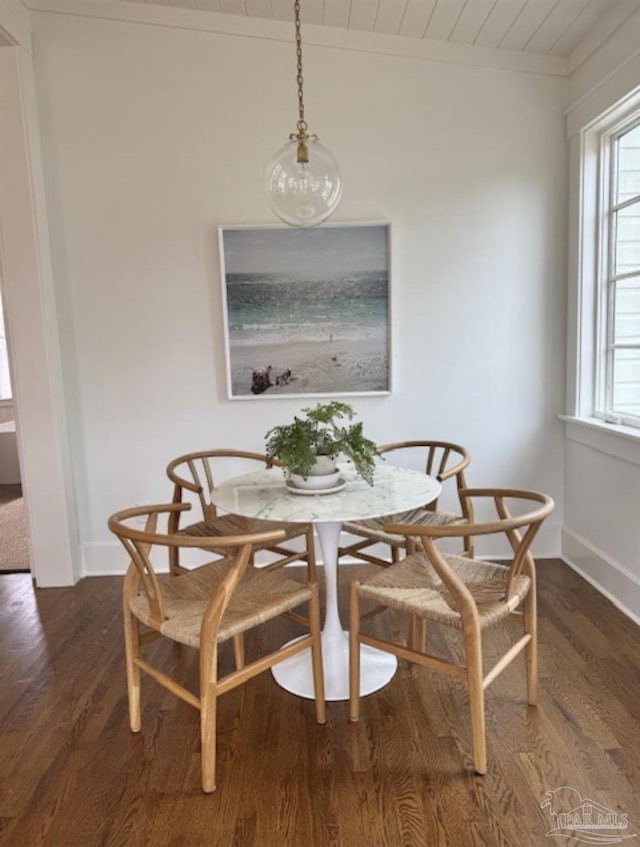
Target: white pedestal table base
x,y
376,670
376,666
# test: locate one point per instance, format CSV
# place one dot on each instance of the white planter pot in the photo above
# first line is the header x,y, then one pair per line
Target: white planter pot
x,y
323,465
322,474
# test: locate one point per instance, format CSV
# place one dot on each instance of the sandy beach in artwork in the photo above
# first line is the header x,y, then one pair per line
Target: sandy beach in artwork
x,y
325,367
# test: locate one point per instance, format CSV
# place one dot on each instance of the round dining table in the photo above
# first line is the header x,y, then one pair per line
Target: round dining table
x,y
265,494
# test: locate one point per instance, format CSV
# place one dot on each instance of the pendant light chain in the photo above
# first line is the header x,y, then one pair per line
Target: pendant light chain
x,y
302,182
302,124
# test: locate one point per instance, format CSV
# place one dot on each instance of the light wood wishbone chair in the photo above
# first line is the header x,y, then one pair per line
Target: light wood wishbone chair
x,y
196,474
470,595
203,608
442,460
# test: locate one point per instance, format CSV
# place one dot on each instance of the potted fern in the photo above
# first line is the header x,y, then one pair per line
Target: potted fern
x,y
307,448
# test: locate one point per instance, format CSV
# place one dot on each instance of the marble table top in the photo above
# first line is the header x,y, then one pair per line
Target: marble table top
x,y
263,494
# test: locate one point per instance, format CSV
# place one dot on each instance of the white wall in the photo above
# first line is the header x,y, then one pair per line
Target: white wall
x,y
152,136
601,535
32,329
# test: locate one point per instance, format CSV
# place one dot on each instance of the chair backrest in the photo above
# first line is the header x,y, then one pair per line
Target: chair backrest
x,y
139,543
520,530
443,460
194,472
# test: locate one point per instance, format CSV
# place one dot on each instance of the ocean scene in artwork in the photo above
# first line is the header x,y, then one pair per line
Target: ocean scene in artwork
x,y
307,311
345,306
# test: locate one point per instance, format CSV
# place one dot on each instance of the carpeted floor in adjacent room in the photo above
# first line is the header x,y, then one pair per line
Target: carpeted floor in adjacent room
x,y
14,546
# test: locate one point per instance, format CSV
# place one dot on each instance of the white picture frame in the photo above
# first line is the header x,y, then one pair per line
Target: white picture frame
x,y
307,311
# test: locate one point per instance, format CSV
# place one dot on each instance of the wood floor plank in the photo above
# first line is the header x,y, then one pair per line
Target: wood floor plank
x,y
73,775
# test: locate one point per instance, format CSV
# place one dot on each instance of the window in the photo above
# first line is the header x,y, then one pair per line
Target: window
x,y
618,368
605,375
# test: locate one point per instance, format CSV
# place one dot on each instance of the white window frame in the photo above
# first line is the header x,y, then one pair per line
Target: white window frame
x,y
608,277
595,268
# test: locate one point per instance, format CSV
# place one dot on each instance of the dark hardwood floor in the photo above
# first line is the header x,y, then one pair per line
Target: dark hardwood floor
x,y
73,775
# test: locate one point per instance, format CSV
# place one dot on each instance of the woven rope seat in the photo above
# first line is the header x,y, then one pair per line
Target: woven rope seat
x,y
237,525
263,595
413,586
373,528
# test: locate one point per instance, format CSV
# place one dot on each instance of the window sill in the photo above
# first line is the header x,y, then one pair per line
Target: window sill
x,y
623,442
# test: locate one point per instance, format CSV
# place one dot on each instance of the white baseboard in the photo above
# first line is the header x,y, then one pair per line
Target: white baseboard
x,y
108,558
606,575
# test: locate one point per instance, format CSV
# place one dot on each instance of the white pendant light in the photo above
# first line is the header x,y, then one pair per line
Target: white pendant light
x,y
302,182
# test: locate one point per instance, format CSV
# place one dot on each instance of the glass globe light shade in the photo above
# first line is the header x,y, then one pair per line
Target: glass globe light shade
x,y
303,193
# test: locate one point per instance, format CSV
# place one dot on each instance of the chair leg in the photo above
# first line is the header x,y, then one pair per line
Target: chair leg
x,y
132,649
208,738
530,621
208,708
238,651
354,652
473,657
411,633
174,561
419,633
316,656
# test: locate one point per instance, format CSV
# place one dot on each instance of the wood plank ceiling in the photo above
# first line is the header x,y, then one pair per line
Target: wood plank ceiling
x,y
551,27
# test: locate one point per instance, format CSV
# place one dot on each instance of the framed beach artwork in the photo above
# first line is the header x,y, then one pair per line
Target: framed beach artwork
x,y
306,311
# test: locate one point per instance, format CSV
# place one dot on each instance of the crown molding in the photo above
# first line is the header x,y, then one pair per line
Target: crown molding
x,y
601,32
321,36
15,26
609,79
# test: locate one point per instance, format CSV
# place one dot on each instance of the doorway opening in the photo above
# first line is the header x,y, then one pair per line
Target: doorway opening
x,y
14,542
